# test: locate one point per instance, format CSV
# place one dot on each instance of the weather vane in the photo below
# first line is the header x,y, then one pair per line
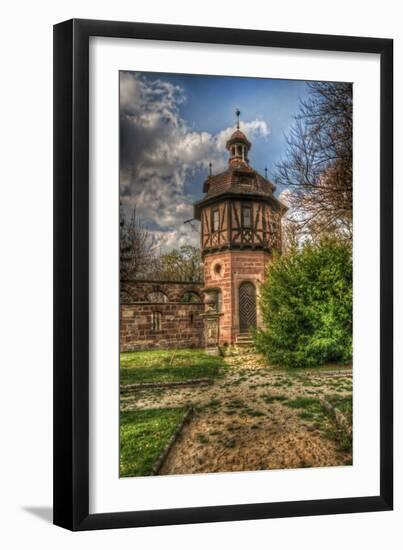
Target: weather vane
x,y
237,112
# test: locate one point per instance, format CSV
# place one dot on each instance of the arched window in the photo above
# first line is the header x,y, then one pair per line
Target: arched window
x,y
190,297
156,318
157,297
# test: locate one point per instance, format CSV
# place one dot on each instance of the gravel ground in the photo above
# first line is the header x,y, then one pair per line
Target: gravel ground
x,y
242,421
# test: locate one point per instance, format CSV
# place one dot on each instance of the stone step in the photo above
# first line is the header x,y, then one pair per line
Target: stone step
x,y
244,339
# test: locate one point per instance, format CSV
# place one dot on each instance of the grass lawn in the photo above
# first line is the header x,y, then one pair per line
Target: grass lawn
x,y
311,411
143,436
168,365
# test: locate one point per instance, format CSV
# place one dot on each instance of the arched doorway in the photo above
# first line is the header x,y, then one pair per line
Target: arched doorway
x,y
247,306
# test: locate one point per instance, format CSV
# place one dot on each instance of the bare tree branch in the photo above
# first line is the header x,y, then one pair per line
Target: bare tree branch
x,y
137,247
318,164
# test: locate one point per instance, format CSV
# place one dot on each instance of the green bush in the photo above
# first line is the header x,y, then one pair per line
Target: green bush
x,y
306,303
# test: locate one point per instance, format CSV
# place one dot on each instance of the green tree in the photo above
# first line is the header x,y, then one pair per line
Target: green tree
x,y
181,264
306,303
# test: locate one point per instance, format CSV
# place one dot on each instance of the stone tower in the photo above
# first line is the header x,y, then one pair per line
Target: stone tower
x,y
240,227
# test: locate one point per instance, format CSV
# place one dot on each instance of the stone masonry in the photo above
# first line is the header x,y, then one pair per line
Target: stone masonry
x,y
225,271
168,323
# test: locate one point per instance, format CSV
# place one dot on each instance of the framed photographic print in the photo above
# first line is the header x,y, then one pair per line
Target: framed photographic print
x,y
223,321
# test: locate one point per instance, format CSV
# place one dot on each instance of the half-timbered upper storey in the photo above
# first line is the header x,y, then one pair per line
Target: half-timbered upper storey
x,y
239,209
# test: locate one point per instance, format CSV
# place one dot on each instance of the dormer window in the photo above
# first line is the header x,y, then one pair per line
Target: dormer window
x,y
246,217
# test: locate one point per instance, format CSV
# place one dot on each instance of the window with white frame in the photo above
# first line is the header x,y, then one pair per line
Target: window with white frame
x,y
216,219
246,217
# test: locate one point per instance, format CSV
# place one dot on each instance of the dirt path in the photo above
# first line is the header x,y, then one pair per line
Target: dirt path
x,y
242,421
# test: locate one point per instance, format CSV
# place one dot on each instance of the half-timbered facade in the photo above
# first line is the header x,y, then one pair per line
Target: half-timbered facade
x,y
240,228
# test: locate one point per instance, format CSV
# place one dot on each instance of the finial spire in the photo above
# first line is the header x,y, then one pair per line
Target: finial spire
x,y
265,172
210,166
237,112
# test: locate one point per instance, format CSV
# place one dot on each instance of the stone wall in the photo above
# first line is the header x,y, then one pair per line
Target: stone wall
x,y
170,323
139,290
226,271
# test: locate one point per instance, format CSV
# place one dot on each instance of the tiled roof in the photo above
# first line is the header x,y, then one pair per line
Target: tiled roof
x,y
238,179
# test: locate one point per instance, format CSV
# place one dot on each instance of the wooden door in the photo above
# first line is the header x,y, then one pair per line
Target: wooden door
x,y
247,306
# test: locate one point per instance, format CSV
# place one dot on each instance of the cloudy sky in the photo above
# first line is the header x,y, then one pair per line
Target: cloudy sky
x,y
173,125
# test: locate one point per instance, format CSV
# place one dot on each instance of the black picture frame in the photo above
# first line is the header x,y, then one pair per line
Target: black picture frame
x,y
71,274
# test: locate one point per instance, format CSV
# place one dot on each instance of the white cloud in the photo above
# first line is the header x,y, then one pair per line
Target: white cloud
x,y
159,152
285,197
254,129
183,235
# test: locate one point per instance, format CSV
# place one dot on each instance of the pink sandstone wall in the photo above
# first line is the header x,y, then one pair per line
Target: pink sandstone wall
x,y
237,266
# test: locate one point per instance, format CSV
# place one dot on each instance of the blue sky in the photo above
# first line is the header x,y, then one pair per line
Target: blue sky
x,y
173,125
211,102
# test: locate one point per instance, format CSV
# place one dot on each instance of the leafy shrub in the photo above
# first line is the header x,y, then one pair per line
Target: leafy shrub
x,y
306,304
